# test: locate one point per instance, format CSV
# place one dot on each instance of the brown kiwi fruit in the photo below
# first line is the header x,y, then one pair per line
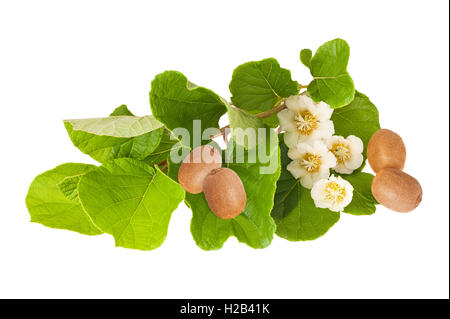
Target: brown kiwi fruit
x,y
386,149
196,166
224,193
396,190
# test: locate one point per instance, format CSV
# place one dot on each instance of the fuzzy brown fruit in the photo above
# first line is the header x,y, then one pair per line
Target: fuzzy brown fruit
x,y
396,190
196,166
386,149
224,193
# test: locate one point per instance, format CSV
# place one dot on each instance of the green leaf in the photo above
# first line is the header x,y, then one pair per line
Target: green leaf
x,y
240,121
176,102
305,57
88,135
116,126
253,226
363,202
259,86
332,83
121,110
294,211
131,201
69,185
48,206
162,152
359,118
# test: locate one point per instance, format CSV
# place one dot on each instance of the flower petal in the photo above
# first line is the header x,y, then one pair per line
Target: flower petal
x,y
295,104
296,169
355,161
356,143
307,181
291,139
287,122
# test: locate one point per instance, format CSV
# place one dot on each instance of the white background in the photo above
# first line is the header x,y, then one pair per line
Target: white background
x,y
75,59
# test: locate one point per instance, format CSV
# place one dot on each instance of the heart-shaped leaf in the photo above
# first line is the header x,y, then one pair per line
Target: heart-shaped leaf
x,y
176,102
332,83
49,206
259,86
131,201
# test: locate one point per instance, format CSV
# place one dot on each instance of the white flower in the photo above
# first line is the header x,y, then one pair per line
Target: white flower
x,y
305,121
333,193
310,162
348,152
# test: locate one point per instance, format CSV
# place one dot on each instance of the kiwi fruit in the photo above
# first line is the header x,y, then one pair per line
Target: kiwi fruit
x,y
224,193
396,190
386,149
196,166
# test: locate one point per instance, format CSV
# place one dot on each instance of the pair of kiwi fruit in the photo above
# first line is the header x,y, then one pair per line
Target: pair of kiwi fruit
x,y
392,187
202,171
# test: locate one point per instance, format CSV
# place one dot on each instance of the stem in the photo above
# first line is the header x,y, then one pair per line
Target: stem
x,y
271,112
302,86
222,132
164,162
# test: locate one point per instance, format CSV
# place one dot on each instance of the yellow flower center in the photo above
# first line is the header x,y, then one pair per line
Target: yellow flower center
x,y
306,122
341,152
311,162
334,192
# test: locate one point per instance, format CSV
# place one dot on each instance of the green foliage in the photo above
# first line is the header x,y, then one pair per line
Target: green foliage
x,y
167,143
131,197
49,206
121,110
305,57
359,118
295,214
260,86
241,121
116,126
120,135
332,83
176,102
131,201
363,202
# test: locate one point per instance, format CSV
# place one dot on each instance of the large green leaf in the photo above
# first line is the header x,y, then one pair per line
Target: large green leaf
x,y
332,83
294,211
108,138
49,206
363,202
359,118
176,102
259,86
253,226
131,201
116,126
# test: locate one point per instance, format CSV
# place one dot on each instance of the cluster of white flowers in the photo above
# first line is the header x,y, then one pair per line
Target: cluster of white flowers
x,y
314,150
